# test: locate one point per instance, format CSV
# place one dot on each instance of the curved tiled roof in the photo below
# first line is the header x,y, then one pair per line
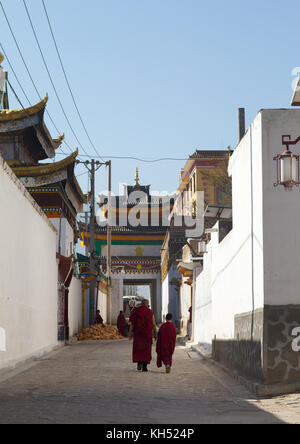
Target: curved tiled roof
x,y
14,114
44,169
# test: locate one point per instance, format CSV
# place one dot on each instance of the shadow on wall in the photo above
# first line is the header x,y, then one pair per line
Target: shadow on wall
x,y
242,357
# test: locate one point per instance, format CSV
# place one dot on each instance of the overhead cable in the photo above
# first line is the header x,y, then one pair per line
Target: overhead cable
x,y
28,72
67,81
50,77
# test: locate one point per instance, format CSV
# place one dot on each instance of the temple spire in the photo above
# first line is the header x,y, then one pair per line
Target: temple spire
x,y
137,179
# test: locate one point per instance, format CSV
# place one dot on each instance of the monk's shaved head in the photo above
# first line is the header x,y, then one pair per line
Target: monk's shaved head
x,y
145,303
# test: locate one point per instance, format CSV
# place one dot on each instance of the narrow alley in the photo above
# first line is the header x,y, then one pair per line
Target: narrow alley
x,y
96,383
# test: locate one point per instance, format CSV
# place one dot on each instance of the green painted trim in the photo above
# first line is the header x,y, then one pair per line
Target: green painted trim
x,y
99,245
131,242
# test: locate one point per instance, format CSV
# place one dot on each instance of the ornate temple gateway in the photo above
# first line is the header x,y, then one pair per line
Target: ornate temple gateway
x,y
138,232
25,141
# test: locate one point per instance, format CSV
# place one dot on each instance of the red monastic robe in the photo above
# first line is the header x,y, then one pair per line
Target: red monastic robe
x,y
141,320
166,343
122,324
98,319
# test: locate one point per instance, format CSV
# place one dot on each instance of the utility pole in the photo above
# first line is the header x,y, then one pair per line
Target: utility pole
x,y
92,244
109,246
92,167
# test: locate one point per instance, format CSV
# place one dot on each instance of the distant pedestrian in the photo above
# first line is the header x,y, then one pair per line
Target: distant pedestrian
x,y
142,327
98,318
122,324
131,305
166,342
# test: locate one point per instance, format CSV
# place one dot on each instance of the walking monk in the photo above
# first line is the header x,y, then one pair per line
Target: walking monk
x,y
122,324
142,325
166,343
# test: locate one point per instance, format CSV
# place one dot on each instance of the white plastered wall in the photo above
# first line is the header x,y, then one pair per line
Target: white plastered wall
x,y
102,305
65,236
75,306
165,296
28,274
281,213
233,275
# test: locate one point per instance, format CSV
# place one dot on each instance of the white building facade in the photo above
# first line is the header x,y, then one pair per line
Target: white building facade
x,y
28,284
247,298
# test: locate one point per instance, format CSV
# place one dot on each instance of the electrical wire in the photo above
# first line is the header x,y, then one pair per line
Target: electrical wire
x,y
67,81
24,109
82,174
14,73
51,80
163,159
28,72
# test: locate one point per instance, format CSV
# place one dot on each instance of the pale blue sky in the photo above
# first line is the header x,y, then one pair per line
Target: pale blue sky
x,y
157,78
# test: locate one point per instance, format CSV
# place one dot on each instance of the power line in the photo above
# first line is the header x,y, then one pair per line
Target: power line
x,y
24,109
20,85
138,159
28,72
14,73
18,47
50,77
67,81
82,174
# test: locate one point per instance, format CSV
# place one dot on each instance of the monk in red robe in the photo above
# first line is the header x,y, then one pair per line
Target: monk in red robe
x,y
98,318
142,327
122,324
166,343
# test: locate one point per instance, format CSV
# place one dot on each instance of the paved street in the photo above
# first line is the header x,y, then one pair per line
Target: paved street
x,y
95,382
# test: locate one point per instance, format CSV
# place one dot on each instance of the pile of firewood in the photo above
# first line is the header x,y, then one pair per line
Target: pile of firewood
x,y
98,333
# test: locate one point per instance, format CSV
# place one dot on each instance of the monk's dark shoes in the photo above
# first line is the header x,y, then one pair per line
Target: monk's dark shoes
x,y
140,366
145,368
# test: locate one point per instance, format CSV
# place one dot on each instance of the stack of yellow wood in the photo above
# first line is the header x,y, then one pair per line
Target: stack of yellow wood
x,y
98,333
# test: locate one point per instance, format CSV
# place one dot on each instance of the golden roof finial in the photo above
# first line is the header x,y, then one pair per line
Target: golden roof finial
x,y
137,179
1,57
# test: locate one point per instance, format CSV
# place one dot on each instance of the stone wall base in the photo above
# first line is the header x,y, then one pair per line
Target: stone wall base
x,y
258,389
63,333
264,350
243,353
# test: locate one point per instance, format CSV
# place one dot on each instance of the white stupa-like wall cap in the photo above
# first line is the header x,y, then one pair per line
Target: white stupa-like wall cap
x,y
296,96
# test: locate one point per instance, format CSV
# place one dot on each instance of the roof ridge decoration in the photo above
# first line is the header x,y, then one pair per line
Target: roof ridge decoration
x,y
208,154
59,141
137,179
14,114
45,169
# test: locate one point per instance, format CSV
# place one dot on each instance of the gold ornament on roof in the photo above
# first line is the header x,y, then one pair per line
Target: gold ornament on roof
x,y
137,179
59,140
1,57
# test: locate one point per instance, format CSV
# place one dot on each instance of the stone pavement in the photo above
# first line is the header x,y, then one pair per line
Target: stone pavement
x,y
96,383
